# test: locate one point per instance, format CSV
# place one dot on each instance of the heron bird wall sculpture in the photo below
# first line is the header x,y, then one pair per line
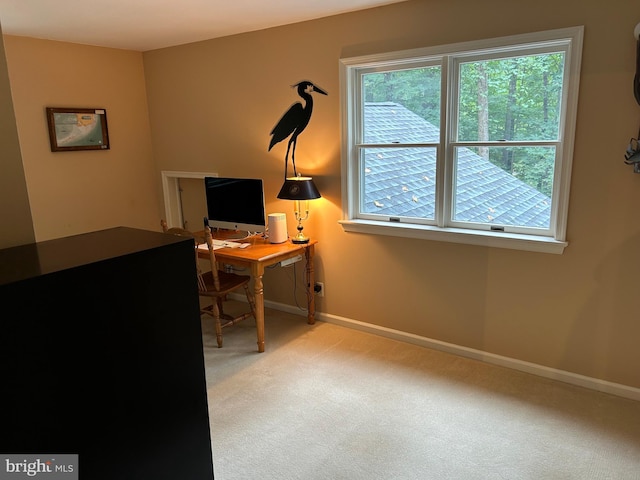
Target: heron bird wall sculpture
x,y
294,121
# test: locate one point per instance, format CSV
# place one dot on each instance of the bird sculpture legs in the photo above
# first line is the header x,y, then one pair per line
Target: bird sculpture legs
x,y
294,141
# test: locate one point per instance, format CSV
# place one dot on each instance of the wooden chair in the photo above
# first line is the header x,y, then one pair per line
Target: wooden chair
x,y
217,284
181,232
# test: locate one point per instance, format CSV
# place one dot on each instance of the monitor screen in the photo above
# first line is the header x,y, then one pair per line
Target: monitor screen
x,y
235,203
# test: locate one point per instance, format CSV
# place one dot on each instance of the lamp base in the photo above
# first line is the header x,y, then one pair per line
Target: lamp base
x,y
300,239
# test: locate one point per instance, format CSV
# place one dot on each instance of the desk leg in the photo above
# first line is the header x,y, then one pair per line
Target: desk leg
x,y
311,281
259,298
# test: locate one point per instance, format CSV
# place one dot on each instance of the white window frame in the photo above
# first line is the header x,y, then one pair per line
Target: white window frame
x,y
553,241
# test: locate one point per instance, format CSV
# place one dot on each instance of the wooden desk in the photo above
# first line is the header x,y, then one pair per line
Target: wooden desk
x,y
260,255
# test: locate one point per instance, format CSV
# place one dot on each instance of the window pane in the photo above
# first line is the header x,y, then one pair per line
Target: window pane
x,y
516,98
512,189
400,97
399,182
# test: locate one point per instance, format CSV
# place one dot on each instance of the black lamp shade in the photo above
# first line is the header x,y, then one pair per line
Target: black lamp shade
x,y
299,188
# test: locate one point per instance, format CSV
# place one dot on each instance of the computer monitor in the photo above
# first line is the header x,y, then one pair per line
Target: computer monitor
x,y
235,204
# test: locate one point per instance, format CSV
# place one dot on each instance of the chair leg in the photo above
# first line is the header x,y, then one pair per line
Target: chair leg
x,y
223,315
216,319
252,301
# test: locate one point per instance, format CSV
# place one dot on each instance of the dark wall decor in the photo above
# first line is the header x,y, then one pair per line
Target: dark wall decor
x,y
632,155
294,121
77,129
636,79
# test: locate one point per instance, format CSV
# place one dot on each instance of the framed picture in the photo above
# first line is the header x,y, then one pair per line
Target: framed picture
x,y
77,129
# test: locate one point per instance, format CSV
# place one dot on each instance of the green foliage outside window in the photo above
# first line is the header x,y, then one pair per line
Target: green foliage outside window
x,y
507,99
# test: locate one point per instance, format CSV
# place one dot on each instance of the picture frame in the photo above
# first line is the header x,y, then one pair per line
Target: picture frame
x,y
77,129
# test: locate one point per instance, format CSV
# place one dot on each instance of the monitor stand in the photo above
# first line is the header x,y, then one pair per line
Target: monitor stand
x,y
227,234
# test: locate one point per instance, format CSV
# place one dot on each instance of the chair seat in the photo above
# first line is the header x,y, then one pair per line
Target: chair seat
x,y
228,283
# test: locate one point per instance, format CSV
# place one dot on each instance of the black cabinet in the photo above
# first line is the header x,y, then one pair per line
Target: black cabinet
x,y
101,355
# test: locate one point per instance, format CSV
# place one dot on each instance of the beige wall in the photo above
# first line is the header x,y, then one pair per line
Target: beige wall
x,y
212,105
82,191
14,201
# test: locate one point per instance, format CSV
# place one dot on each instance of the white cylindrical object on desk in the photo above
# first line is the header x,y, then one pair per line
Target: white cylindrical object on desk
x,y
277,228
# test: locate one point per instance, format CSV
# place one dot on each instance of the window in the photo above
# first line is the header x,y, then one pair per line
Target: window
x,y
469,143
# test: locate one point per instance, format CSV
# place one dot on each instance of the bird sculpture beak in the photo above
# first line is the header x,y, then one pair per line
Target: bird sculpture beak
x,y
319,90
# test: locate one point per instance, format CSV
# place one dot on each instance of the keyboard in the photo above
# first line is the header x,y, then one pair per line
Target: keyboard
x,y
217,244
224,243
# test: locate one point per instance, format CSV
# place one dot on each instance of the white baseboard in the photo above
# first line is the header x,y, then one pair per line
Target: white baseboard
x,y
604,386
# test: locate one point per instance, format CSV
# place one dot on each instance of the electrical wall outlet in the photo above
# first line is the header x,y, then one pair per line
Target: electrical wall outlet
x,y
318,289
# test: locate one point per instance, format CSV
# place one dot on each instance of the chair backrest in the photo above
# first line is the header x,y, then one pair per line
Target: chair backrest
x,y
175,230
208,238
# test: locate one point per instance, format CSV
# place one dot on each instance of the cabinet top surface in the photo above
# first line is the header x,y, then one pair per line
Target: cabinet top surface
x,y
41,258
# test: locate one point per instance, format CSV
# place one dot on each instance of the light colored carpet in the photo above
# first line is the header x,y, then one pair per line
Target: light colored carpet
x,y
328,402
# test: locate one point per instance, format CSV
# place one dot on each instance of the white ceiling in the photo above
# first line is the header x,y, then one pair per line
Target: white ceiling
x,y
149,24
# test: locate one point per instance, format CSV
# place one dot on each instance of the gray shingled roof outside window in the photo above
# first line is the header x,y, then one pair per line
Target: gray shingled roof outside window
x,y
401,181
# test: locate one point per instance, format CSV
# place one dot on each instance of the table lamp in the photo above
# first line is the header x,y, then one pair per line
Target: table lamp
x,y
300,190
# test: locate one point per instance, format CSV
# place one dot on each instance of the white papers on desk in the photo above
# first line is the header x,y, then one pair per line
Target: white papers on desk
x,y
217,244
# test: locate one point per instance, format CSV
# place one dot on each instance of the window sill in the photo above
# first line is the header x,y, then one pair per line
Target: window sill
x,y
512,241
